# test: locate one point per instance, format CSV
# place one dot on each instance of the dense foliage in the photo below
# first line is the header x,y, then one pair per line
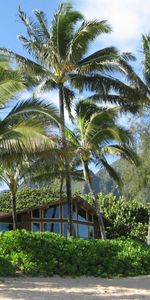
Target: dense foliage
x,y
48,254
136,180
125,218
28,198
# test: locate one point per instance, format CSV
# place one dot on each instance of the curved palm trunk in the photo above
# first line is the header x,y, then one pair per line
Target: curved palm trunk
x,y
99,214
14,214
66,163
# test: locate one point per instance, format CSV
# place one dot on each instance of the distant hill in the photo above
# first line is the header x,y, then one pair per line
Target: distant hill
x,y
102,183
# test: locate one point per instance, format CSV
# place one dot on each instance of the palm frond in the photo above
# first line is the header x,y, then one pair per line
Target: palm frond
x,y
35,107
63,24
29,24
42,30
84,35
25,64
69,96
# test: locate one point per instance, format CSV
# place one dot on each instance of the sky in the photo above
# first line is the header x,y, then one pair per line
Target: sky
x,y
129,20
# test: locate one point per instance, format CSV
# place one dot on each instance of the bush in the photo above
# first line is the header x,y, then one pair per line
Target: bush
x,y
28,198
48,254
123,218
6,267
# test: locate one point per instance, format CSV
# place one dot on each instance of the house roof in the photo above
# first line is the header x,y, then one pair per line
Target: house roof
x,y
77,199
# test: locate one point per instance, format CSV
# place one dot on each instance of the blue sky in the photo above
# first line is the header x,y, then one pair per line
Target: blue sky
x,y
128,18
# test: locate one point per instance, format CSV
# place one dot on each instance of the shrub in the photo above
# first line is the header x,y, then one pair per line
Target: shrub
x,y
124,218
28,198
48,254
6,267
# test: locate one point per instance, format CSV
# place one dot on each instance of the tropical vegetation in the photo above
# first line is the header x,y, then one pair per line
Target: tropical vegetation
x,y
60,60
50,254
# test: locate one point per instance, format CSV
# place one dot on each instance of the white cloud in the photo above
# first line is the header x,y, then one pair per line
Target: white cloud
x,y
128,18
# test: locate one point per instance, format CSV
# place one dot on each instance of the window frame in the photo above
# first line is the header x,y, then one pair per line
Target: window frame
x,y
37,223
59,223
39,214
86,211
52,218
7,223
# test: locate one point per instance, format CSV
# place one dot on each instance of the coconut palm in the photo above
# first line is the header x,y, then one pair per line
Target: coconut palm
x,y
48,167
21,135
61,61
95,136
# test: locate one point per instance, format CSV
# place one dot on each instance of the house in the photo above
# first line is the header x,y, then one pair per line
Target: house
x,y
53,217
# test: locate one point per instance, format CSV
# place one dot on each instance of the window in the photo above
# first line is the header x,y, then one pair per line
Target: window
x,y
81,214
65,211
5,227
52,212
75,234
74,212
90,218
83,231
36,213
36,227
65,229
52,227
91,232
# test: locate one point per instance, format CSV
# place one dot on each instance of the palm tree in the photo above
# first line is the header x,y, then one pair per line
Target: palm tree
x,y
44,170
12,173
60,61
95,136
21,135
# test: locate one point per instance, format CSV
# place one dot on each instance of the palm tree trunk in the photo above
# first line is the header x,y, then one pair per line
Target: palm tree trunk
x,y
64,145
14,214
61,188
95,202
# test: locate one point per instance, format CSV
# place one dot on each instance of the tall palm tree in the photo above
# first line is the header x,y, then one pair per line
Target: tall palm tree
x,y
61,61
95,136
21,135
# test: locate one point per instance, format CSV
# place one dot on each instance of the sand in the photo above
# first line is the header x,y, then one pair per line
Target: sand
x,y
81,288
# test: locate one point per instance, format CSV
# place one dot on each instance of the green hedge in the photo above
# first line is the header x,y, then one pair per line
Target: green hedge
x,y
28,198
48,254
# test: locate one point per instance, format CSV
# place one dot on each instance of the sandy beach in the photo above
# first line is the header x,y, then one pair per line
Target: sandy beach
x,y
81,288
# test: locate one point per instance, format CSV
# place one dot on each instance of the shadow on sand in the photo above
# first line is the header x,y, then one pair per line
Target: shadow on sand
x,y
89,288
